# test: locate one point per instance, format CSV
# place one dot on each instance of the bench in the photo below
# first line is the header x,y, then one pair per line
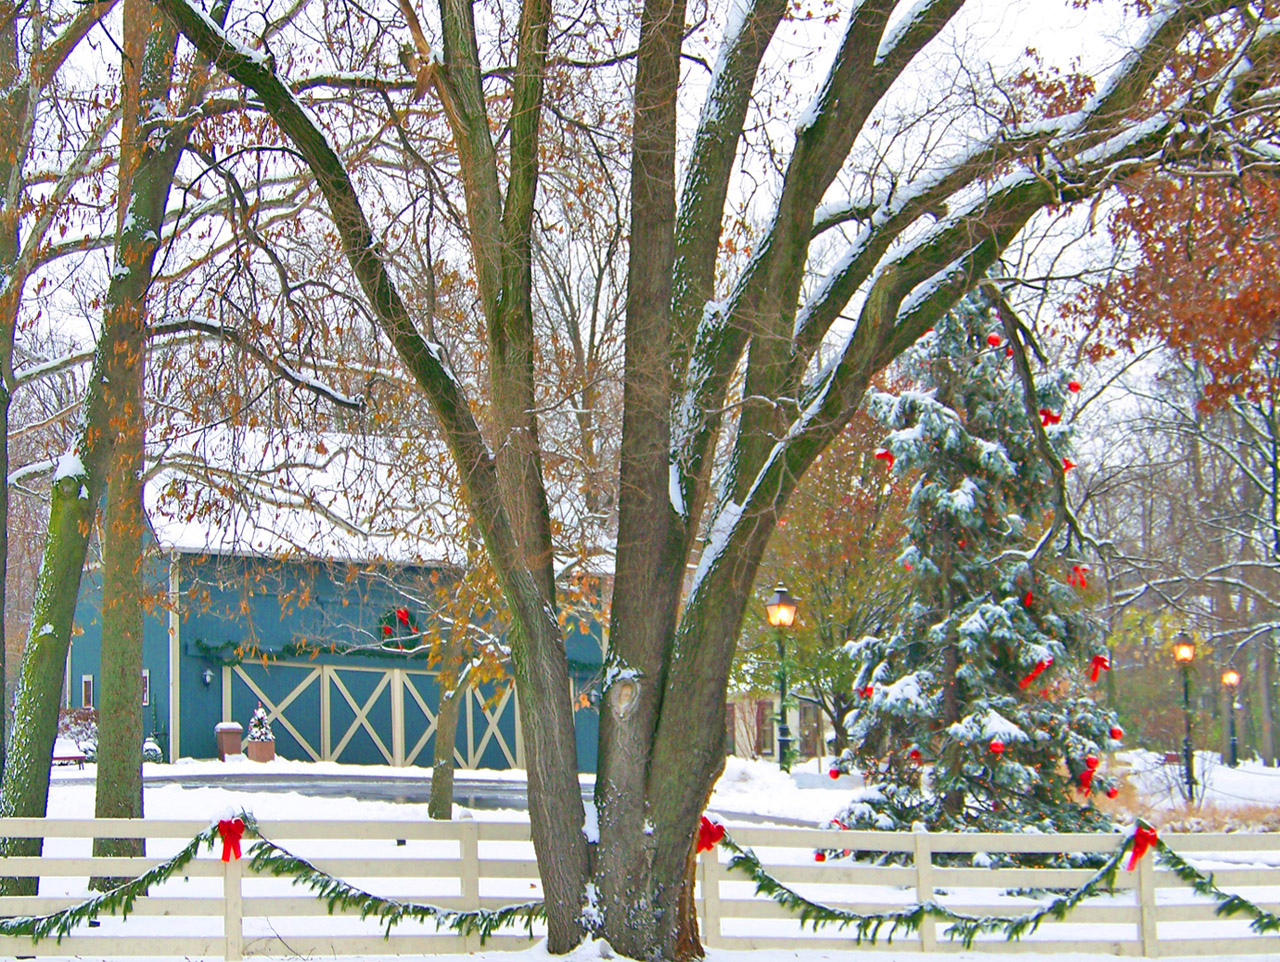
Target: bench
x,y
67,752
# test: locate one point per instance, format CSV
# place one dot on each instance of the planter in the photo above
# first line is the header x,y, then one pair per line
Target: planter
x,y
227,735
260,751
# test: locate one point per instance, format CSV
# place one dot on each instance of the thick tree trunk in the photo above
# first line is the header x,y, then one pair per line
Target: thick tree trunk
x,y
119,781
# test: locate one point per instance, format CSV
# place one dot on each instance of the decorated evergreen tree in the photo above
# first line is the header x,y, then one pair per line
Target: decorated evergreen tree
x,y
260,726
976,712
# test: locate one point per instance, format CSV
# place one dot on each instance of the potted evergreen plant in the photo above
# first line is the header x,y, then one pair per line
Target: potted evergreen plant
x,y
261,746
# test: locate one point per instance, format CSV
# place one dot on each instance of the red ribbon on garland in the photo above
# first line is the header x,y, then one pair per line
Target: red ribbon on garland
x,y
1143,838
1077,576
884,454
709,834
231,830
1036,672
1100,663
1047,417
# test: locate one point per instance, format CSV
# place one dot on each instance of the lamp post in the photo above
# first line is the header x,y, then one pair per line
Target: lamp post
x,y
1184,653
1231,678
781,611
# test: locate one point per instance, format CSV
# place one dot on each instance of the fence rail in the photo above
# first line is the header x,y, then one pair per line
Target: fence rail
x,y
215,908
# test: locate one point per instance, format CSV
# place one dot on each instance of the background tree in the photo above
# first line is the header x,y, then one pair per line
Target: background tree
x,y
836,549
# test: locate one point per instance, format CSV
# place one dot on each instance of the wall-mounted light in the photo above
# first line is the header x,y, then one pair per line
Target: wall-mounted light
x,y
206,676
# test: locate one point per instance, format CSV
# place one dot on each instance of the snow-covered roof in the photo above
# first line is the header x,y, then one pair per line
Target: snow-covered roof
x,y
321,495
309,495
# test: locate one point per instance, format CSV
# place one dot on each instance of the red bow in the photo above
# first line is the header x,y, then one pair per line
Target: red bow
x,y
402,616
1067,464
1099,663
231,830
1047,417
884,454
1086,781
1028,599
709,834
1041,665
1077,576
1143,838
868,691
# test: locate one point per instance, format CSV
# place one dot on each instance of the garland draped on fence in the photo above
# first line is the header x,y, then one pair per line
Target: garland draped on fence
x,y
267,857
966,928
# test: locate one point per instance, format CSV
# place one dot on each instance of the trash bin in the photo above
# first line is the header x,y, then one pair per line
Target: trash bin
x,y
227,735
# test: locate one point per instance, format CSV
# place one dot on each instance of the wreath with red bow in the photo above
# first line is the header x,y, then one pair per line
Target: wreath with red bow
x,y
399,629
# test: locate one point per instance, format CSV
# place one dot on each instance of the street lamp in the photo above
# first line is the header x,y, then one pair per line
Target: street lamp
x,y
781,611
1184,653
1231,678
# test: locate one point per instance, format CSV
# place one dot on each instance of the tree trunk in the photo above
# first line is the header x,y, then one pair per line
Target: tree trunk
x,y
119,781
80,479
1264,684
453,689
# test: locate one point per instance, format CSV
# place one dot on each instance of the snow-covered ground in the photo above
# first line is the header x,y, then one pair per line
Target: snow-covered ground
x,y
747,789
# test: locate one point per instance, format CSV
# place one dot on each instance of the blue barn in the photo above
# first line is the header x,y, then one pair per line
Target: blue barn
x,y
238,615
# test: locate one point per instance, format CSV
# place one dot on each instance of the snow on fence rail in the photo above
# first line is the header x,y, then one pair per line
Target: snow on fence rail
x,y
213,908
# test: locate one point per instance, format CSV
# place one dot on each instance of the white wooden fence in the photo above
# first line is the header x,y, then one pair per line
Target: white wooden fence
x,y
221,909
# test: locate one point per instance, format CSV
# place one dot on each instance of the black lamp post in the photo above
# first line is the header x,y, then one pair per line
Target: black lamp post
x,y
1231,678
1184,653
781,611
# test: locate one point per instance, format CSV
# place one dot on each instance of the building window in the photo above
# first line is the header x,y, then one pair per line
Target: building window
x,y
764,727
86,691
146,686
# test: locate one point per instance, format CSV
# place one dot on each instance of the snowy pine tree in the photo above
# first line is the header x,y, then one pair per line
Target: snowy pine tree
x,y
976,712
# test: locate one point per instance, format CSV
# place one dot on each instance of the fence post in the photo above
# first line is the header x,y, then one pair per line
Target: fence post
x,y
1147,906
469,874
232,910
924,889
709,862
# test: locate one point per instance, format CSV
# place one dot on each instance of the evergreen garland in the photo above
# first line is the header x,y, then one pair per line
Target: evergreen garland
x,y
119,899
267,857
963,927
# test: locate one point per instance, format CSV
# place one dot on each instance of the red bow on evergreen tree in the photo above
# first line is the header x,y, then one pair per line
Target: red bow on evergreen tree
x,y
1100,663
1036,672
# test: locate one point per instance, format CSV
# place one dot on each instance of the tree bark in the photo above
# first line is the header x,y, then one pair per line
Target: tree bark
x,y
452,691
119,782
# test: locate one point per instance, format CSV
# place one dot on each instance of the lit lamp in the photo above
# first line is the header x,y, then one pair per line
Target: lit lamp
x,y
1184,653
781,612
1231,679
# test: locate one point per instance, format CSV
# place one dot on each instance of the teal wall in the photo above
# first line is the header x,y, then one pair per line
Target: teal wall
x,y
259,606
85,655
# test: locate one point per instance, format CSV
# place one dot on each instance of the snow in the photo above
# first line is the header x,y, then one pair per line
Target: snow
x,y
717,541
898,29
69,466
